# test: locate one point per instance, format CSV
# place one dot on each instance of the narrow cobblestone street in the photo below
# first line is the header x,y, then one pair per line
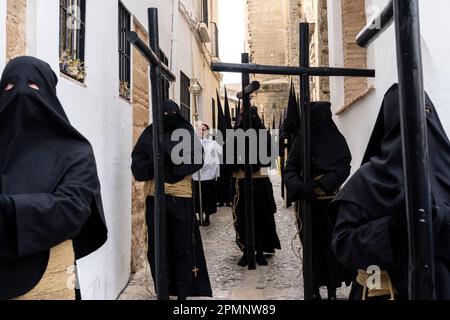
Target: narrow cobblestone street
x,y
281,280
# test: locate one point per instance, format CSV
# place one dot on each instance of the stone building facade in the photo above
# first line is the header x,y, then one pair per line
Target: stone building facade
x,y
273,39
141,116
15,28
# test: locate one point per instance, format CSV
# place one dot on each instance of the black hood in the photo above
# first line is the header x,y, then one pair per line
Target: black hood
x,y
43,159
329,149
378,186
256,123
173,121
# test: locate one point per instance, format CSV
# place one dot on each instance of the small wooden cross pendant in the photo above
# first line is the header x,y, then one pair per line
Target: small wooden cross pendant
x,y
195,271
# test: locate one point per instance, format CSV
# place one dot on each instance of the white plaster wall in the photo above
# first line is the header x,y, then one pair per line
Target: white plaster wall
x,y
177,41
2,34
106,120
139,9
357,123
189,59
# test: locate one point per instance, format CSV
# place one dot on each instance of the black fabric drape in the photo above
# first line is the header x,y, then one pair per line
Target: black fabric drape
x,y
266,237
188,272
49,173
224,187
209,197
290,128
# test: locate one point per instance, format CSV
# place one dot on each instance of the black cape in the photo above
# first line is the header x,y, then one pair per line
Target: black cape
x,y
49,174
374,198
143,170
330,160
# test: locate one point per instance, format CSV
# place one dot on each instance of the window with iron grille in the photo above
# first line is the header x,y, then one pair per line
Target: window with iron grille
x,y
165,84
124,53
203,13
72,18
185,96
215,40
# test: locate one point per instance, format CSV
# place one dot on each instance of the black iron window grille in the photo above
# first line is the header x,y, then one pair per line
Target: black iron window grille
x,y
185,96
165,84
72,19
124,53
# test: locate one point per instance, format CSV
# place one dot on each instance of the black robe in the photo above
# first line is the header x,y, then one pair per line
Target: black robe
x,y
209,197
370,212
330,160
266,237
188,273
48,182
223,186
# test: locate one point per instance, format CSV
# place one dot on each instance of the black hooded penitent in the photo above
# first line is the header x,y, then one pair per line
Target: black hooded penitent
x,y
49,185
370,212
266,237
330,166
188,273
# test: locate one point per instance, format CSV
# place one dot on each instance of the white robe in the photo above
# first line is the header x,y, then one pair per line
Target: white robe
x,y
211,168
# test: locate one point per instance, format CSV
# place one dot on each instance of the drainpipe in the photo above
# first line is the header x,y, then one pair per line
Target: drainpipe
x,y
173,44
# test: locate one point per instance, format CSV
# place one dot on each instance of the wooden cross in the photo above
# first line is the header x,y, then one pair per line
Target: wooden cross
x,y
195,271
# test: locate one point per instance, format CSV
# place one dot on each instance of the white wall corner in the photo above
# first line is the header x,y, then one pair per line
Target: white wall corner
x,y
336,52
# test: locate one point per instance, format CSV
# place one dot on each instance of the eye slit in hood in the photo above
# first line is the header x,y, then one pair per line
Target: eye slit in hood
x,y
33,85
9,86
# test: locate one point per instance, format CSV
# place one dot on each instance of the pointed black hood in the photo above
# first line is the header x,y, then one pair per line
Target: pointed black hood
x,y
227,111
378,186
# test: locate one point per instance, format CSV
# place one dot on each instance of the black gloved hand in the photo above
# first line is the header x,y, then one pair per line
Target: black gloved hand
x,y
306,190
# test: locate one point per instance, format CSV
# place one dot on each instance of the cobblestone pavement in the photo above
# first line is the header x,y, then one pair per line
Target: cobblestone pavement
x,y
281,280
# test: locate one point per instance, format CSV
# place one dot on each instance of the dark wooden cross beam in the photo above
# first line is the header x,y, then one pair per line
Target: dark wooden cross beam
x,y
249,189
251,88
291,71
150,55
376,26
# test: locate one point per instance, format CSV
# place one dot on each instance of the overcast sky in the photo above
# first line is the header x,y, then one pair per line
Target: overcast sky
x,y
231,34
